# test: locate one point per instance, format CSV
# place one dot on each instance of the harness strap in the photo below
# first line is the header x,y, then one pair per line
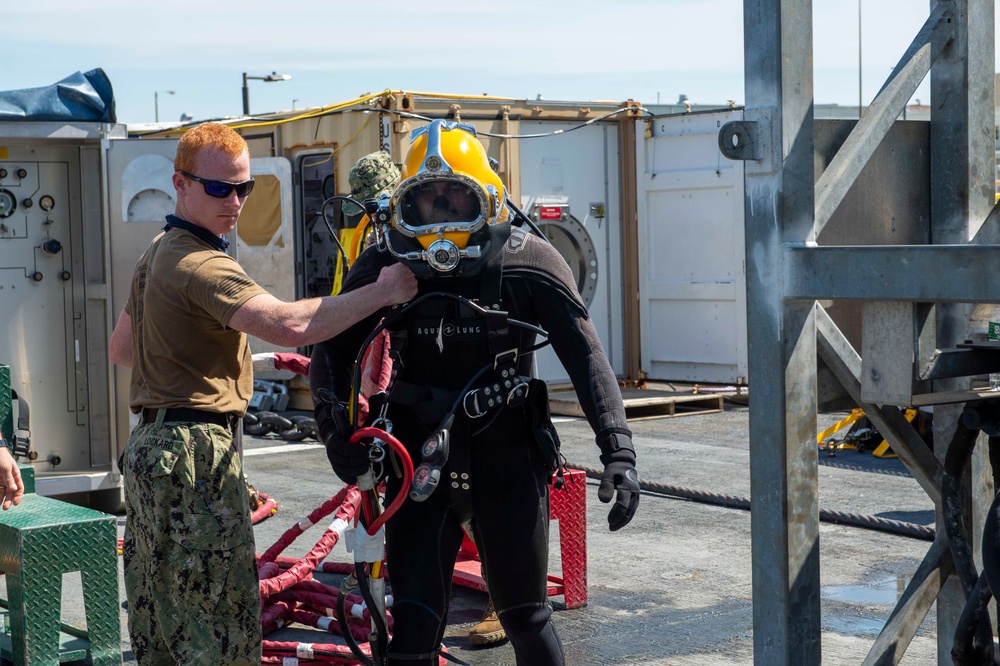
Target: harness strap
x,y
491,279
509,389
458,472
21,445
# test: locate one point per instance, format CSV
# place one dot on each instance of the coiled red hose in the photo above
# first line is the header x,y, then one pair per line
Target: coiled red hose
x,y
304,567
404,457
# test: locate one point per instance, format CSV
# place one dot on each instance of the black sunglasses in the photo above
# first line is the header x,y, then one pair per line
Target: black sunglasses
x,y
220,189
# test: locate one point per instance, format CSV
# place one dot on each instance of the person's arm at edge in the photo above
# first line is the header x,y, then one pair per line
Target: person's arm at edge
x,y
120,346
314,320
10,479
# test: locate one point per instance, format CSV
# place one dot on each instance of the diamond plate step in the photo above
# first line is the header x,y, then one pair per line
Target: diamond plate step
x,y
40,540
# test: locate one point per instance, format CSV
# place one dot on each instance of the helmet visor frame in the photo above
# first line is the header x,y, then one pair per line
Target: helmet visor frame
x,y
438,203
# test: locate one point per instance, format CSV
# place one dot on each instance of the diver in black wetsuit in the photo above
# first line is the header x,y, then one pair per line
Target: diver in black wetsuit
x,y
461,398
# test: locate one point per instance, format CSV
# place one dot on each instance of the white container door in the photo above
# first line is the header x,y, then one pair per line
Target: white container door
x,y
691,251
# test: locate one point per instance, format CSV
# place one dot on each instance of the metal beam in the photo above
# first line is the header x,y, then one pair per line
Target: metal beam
x,y
839,177
962,134
845,364
782,341
929,273
913,606
959,363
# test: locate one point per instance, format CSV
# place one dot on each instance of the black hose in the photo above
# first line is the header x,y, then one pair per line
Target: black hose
x,y
991,533
899,527
329,227
379,646
968,648
345,630
520,215
957,458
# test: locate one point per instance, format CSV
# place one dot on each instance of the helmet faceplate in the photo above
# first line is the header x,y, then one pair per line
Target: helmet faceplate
x,y
448,193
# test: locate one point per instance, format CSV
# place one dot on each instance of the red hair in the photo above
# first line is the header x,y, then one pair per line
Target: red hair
x,y
207,135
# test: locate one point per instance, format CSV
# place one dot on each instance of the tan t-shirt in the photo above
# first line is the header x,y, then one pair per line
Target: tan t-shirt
x,y
184,354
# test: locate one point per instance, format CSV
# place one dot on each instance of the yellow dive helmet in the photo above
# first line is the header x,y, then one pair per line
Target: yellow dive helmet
x,y
448,199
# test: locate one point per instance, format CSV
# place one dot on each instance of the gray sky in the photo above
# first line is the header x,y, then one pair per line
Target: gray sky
x,y
334,51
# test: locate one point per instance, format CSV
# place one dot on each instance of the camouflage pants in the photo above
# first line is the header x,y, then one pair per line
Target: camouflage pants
x,y
190,573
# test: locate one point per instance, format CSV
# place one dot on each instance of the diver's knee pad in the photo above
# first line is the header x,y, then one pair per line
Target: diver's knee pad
x,y
533,635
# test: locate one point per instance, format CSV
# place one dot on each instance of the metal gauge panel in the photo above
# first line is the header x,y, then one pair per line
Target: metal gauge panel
x,y
42,294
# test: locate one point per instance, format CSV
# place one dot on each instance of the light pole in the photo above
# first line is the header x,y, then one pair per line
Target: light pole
x,y
860,98
273,76
156,101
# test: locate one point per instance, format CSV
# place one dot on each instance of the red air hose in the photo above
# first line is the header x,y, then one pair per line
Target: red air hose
x,y
307,564
404,457
267,509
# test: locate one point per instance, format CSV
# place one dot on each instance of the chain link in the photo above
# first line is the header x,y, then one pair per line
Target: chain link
x,y
292,429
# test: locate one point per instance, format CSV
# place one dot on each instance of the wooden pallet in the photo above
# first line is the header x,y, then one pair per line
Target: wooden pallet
x,y
643,403
299,396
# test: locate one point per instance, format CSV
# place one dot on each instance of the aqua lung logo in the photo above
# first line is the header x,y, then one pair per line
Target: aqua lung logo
x,y
452,330
457,329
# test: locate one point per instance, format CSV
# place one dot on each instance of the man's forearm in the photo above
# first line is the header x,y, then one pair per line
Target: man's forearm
x,y
314,320
326,317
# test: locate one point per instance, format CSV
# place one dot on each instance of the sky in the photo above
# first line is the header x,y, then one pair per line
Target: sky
x,y
573,50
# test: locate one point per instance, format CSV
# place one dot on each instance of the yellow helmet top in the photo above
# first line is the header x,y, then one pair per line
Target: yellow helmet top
x,y
447,184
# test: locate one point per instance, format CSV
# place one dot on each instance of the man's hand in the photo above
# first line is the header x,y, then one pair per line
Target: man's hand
x,y
618,457
11,486
398,282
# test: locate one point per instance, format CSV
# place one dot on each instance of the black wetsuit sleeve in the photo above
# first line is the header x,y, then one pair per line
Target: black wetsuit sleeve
x,y
576,343
333,360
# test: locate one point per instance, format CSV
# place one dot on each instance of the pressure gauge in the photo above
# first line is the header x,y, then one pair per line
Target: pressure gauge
x,y
8,203
46,203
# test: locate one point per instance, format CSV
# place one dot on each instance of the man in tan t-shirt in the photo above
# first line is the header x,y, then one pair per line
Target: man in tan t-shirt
x,y
190,574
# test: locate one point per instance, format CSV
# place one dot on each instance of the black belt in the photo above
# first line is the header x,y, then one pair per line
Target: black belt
x,y
189,415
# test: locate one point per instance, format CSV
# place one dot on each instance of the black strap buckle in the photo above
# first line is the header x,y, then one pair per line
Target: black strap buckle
x,y
21,446
518,394
470,403
508,357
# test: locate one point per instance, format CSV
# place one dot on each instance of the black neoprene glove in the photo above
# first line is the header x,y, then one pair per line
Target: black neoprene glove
x,y
349,461
618,456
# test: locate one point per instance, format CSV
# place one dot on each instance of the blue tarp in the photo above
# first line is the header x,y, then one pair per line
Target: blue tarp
x,y
83,96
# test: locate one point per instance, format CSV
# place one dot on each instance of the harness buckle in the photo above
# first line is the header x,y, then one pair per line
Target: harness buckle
x,y
475,411
376,452
517,395
505,357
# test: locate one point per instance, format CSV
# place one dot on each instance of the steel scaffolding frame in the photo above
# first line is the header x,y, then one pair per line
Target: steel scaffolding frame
x,y
928,289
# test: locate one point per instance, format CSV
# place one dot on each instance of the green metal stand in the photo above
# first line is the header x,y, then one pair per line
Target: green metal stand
x,y
40,540
27,477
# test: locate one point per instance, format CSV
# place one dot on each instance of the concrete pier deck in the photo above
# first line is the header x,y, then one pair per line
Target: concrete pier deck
x,y
674,587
